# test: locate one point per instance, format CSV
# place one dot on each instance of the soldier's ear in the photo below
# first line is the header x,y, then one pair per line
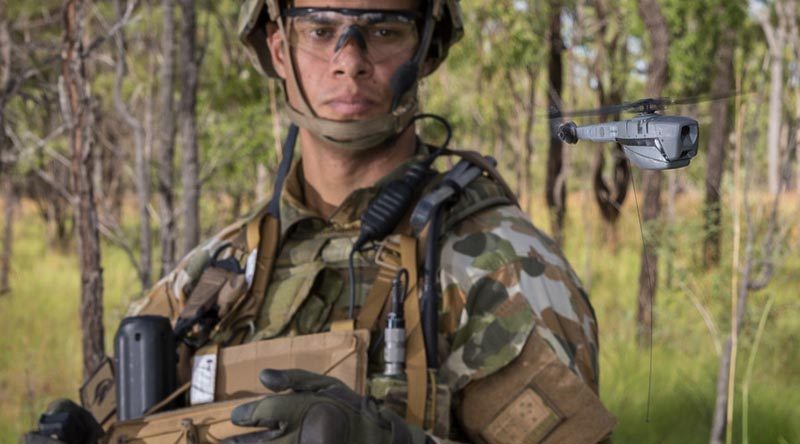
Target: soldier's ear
x,y
275,44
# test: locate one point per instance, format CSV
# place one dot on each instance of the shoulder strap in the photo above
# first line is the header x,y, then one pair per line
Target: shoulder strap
x,y
244,313
477,159
463,191
234,328
416,368
396,252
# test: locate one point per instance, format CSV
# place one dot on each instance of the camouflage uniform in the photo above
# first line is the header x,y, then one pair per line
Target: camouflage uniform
x,y
502,280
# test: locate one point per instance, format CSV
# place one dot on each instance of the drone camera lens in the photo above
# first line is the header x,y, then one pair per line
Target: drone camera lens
x,y
688,136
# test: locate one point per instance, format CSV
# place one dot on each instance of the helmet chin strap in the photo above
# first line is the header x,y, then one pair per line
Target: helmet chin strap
x,y
361,135
357,135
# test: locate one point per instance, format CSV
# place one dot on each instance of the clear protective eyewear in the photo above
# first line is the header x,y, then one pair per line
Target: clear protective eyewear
x,y
378,34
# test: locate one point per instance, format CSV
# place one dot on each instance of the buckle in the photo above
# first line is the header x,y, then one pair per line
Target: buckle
x,y
388,254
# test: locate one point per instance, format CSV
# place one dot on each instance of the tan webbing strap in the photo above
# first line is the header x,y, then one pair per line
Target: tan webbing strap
x,y
252,233
247,308
376,300
265,258
389,263
416,371
343,325
171,397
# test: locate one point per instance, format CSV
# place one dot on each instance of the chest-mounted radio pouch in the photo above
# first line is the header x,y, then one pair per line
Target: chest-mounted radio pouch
x,y
222,283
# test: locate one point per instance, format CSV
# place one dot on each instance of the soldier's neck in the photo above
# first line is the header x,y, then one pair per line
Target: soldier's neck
x,y
332,173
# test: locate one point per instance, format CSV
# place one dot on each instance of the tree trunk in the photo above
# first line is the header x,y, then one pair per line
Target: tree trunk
x,y
530,120
5,57
610,193
794,33
166,141
276,124
78,115
796,146
775,117
648,275
715,156
650,12
6,156
721,402
262,182
141,162
555,183
777,37
526,100
740,284
9,200
188,126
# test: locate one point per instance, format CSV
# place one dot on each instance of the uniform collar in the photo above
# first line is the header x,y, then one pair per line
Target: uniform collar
x,y
294,210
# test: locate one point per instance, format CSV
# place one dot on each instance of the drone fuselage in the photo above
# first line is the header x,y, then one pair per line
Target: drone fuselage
x,y
650,141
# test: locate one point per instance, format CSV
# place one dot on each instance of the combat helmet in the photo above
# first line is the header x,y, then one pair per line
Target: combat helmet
x,y
442,27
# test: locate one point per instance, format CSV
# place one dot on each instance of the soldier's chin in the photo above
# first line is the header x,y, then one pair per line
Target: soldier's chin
x,y
353,114
369,152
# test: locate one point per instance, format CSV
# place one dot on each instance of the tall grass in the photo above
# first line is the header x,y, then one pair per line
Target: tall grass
x,y
40,356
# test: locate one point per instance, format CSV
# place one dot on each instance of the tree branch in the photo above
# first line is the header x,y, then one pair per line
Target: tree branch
x,y
111,230
40,145
762,17
122,22
57,187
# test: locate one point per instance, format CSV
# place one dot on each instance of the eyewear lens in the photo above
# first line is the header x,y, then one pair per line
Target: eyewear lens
x,y
325,33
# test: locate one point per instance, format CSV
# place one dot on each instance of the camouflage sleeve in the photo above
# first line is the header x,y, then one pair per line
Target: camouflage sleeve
x,y
510,281
168,296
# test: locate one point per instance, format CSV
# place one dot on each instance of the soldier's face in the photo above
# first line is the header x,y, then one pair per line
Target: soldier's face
x,y
349,78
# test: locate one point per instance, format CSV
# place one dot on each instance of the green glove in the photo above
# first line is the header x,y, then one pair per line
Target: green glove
x,y
65,422
319,410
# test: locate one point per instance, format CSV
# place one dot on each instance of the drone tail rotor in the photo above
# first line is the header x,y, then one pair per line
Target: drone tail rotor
x,y
568,133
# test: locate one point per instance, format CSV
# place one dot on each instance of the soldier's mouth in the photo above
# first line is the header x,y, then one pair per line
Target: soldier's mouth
x,y
352,106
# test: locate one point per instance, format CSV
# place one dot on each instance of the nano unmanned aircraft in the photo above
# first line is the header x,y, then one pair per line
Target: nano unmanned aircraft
x,y
651,141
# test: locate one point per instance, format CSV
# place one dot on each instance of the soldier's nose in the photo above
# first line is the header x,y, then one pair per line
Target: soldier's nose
x,y
351,58
350,35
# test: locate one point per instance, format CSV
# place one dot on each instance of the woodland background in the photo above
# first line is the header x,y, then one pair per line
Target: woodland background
x,y
129,130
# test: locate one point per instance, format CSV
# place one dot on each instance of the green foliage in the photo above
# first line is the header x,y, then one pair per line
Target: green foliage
x,y
478,89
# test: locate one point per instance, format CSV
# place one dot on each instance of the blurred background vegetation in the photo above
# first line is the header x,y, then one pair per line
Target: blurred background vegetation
x,y
496,88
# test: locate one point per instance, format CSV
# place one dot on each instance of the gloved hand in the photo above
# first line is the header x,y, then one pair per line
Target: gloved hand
x,y
319,410
65,422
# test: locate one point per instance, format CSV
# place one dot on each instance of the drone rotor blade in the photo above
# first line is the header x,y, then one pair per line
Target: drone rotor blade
x,y
705,98
602,111
643,105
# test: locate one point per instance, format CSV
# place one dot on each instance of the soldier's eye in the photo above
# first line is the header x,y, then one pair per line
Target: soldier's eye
x,y
385,32
321,33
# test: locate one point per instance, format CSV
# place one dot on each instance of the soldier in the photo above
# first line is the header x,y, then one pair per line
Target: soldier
x,y
514,349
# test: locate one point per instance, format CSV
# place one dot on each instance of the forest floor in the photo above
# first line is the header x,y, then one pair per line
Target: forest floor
x,y
40,358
